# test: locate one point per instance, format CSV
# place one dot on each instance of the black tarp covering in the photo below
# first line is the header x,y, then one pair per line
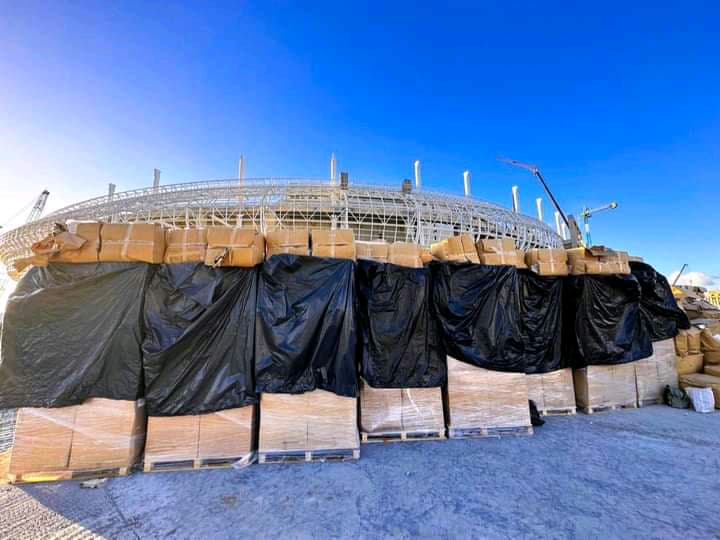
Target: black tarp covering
x,y
478,308
73,332
401,345
199,339
601,321
306,333
541,321
658,308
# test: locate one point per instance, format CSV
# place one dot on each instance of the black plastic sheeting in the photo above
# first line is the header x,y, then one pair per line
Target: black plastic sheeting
x,y
541,321
73,332
306,328
401,344
658,308
601,322
199,339
478,308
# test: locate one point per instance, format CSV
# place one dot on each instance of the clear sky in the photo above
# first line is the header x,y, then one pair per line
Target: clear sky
x,y
615,101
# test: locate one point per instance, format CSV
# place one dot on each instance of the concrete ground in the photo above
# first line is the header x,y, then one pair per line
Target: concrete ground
x,y
647,473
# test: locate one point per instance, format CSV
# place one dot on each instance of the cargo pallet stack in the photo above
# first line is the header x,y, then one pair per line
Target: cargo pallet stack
x,y
706,374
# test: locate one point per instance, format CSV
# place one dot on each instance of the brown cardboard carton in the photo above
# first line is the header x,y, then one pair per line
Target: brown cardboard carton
x,y
283,422
702,380
88,253
654,373
393,411
500,251
227,434
459,248
693,340
108,433
374,251
553,391
405,254
708,341
338,243
232,246
496,245
143,242
711,357
292,241
690,363
681,343
172,438
712,369
422,410
185,245
547,262
605,386
480,398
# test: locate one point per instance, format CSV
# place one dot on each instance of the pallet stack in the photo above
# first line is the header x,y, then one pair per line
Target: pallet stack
x,y
654,373
553,392
604,388
485,403
709,339
101,437
314,426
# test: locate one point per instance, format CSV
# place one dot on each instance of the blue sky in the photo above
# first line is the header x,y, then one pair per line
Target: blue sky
x,y
615,101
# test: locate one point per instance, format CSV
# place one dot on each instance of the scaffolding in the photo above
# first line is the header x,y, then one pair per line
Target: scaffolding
x,y
372,211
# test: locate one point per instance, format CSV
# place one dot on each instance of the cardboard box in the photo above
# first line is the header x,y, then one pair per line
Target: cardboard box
x,y
232,246
227,434
459,248
553,391
89,252
393,411
108,433
547,261
128,242
605,386
597,260
711,357
654,373
338,243
172,438
292,241
702,380
690,363
185,245
500,251
712,369
317,420
480,398
709,342
374,251
405,254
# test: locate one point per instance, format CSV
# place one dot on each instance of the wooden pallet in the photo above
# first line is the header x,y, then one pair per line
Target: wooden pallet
x,y
55,476
567,411
481,433
193,464
302,456
607,408
403,436
650,401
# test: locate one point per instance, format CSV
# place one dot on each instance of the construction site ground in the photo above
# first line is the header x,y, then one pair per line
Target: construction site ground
x,y
644,473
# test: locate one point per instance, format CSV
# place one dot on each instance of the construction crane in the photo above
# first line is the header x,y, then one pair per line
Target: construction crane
x,y
587,213
36,210
684,266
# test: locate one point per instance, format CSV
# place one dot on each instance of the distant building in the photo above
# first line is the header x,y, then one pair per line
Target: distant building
x,y
714,297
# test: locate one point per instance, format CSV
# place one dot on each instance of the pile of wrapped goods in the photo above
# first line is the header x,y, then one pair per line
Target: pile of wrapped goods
x,y
337,243
597,260
500,251
305,364
132,242
405,254
479,315
603,335
688,348
288,241
232,246
459,248
547,261
708,376
376,250
402,364
185,245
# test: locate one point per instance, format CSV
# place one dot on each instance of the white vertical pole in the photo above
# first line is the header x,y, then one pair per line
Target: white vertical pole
x,y
418,180
538,204
557,223
466,182
241,168
156,178
515,201
564,232
333,169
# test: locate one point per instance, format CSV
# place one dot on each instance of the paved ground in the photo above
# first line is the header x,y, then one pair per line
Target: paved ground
x,y
646,473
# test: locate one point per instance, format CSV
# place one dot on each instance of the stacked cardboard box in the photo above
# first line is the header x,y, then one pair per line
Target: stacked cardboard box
x,y
702,380
185,245
654,373
689,351
88,253
127,242
375,251
598,387
547,261
232,246
338,243
401,412
313,422
405,254
292,241
99,434
710,344
597,260
553,392
484,401
223,435
456,248
500,251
